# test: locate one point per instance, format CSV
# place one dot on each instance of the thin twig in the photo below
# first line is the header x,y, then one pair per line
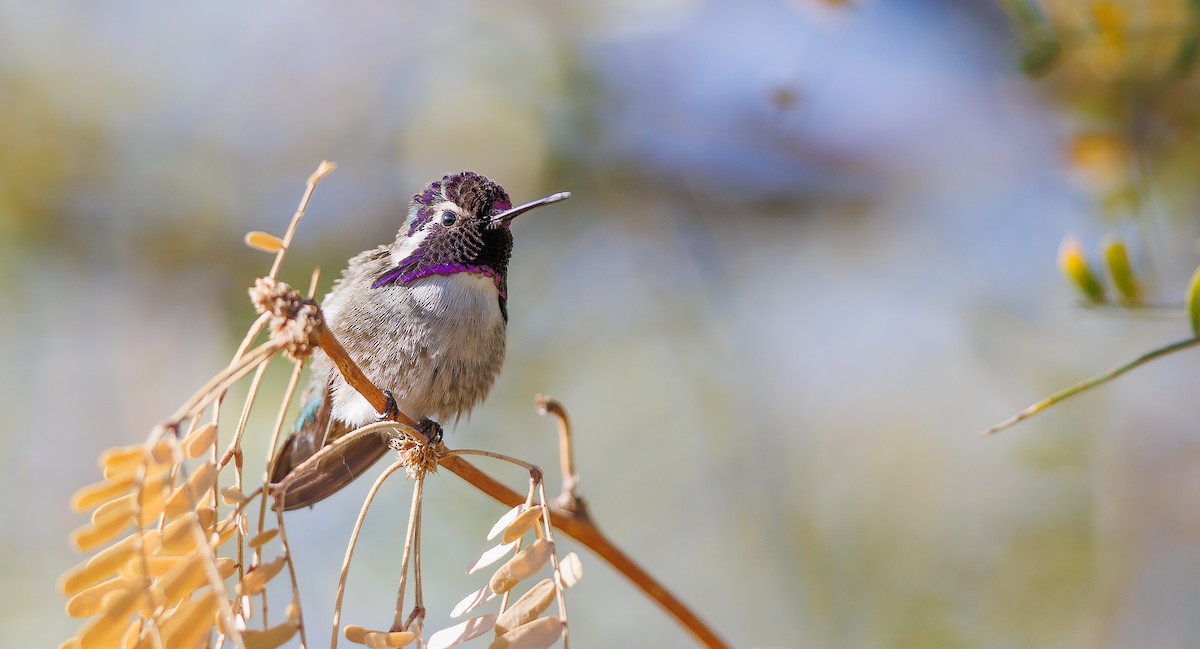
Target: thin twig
x,y
412,544
1090,383
323,169
569,498
362,516
533,469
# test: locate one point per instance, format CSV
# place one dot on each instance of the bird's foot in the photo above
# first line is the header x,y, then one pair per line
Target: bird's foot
x,y
431,430
391,411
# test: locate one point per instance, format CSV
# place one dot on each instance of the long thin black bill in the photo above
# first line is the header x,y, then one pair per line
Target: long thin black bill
x,y
508,215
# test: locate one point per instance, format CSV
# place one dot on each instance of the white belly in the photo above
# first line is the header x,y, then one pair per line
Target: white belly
x,y
436,345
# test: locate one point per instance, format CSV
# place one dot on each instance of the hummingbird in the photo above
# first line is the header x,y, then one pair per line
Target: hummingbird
x,y
424,317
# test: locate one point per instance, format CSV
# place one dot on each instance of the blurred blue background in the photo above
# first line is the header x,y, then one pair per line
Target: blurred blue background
x,y
809,256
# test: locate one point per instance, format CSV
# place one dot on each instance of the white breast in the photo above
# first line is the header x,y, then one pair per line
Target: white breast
x,y
442,353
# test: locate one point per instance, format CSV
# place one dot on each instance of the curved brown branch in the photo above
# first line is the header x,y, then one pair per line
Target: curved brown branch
x,y
590,536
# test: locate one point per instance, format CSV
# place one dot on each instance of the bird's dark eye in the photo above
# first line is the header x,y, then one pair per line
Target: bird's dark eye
x,y
448,218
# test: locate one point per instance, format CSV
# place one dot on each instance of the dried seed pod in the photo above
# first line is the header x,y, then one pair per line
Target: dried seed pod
x,y
256,579
378,639
504,520
490,556
264,241
200,440
109,626
102,531
461,632
272,637
190,624
538,634
528,607
185,577
260,540
102,492
524,565
472,601
87,602
192,492
521,524
106,562
570,570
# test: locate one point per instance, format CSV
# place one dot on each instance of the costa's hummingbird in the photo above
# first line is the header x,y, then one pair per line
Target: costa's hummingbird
x,y
425,319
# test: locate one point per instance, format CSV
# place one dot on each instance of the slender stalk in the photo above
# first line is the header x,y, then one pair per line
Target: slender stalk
x,y
362,516
1090,383
323,169
412,545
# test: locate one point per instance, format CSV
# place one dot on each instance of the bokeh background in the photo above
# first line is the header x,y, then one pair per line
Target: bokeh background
x,y
810,255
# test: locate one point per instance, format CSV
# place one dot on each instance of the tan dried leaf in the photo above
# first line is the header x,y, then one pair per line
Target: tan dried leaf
x,y
472,601
528,607
226,566
189,626
190,494
570,570
225,531
152,567
521,524
162,453
538,634
355,633
264,241
179,537
123,459
120,507
232,496
101,492
378,639
524,565
461,632
106,562
153,498
501,523
490,556
256,579
87,602
263,539
187,576
89,537
272,637
106,630
200,440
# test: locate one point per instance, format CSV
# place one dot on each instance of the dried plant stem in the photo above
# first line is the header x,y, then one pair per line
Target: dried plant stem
x,y
559,586
323,169
291,566
1090,383
221,382
569,498
533,469
587,534
362,516
412,546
